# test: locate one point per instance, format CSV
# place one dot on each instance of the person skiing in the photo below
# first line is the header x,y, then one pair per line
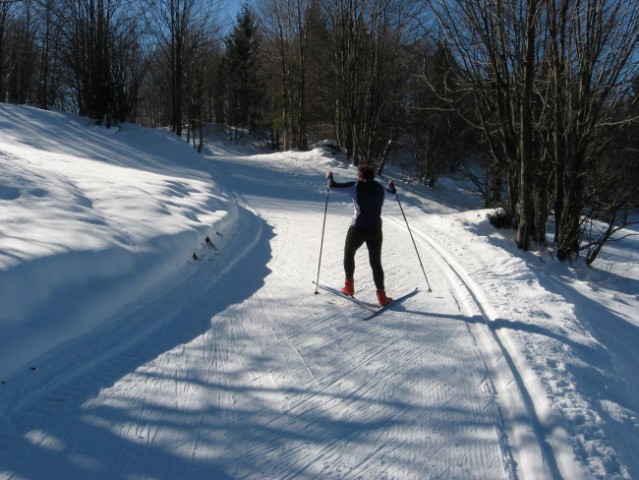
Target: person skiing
x,y
366,226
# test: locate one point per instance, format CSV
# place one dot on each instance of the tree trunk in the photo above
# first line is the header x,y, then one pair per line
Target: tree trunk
x,y
526,144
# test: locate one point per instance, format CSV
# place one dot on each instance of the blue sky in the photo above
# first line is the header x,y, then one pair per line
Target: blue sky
x,y
230,9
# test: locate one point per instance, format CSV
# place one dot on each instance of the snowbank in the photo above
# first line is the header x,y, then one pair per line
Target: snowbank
x,y
89,216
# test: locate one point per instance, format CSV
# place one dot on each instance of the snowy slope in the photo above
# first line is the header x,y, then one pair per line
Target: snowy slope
x,y
121,358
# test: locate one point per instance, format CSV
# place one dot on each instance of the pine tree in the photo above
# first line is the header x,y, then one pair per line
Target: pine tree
x,y
241,66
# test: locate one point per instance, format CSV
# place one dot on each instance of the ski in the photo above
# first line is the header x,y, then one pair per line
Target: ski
x,y
394,302
372,310
356,301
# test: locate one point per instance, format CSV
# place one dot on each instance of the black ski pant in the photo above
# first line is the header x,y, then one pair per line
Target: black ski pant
x,y
355,238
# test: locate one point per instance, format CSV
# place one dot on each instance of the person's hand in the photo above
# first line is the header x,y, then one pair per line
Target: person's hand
x,y
391,182
329,174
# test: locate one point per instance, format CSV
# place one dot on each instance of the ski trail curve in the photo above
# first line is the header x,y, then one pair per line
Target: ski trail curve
x,y
93,401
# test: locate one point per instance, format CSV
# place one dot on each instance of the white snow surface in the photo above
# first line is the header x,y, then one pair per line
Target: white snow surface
x,y
122,357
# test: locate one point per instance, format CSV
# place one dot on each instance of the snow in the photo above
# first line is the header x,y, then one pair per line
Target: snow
x,y
122,357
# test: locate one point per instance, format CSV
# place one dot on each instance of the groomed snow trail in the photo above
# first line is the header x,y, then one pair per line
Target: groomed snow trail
x,y
239,371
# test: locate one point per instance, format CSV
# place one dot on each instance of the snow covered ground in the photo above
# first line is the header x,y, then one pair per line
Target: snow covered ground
x,y
122,357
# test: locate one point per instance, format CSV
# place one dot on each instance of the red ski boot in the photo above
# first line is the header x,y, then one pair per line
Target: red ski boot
x,y
349,287
382,298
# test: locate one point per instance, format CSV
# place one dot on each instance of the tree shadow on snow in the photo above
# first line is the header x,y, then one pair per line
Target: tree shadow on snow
x,y
62,432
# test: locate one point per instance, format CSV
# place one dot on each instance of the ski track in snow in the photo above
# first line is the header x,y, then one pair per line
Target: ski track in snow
x,y
238,371
525,433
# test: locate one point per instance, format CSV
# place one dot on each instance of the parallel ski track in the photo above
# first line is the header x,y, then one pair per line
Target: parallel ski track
x,y
526,449
62,371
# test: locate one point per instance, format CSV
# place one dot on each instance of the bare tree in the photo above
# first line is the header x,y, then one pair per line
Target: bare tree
x,y
593,44
176,27
101,47
6,16
17,51
201,87
50,68
285,21
612,189
440,140
366,40
547,79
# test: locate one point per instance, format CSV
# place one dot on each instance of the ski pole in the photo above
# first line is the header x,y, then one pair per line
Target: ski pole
x,y
319,263
414,244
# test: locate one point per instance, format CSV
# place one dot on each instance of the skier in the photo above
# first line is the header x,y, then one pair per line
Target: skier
x,y
366,226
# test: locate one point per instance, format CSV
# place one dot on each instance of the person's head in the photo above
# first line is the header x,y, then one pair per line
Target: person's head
x,y
366,172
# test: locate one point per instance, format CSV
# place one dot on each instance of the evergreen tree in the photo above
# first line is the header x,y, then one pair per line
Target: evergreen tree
x,y
243,87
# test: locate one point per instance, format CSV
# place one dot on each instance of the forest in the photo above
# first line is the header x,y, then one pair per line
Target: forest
x,y
534,101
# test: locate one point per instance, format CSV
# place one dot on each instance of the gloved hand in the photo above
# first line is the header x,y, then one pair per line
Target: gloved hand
x,y
329,174
391,186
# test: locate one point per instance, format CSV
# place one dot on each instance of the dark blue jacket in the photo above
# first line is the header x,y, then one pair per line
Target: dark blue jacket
x,y
368,198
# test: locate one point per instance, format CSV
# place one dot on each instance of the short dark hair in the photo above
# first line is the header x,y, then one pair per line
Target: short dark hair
x,y
366,172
